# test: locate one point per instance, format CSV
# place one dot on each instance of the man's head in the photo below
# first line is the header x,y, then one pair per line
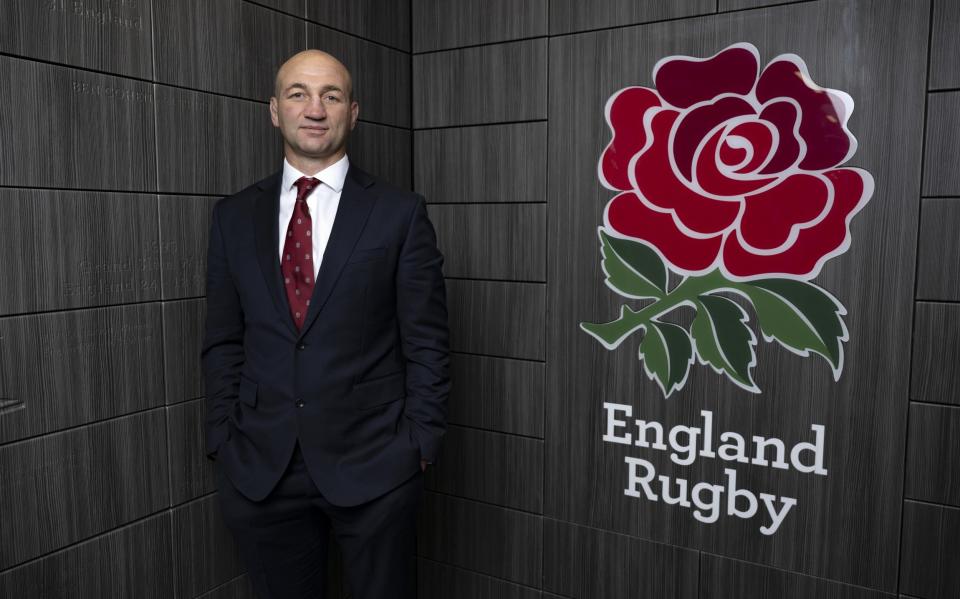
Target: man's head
x,y
314,109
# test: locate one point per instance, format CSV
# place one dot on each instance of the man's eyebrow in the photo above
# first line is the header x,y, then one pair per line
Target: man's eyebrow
x,y
326,88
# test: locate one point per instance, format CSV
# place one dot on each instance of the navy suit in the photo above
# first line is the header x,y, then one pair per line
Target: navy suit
x,y
363,385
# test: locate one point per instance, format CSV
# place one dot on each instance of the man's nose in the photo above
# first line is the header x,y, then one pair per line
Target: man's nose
x,y
316,109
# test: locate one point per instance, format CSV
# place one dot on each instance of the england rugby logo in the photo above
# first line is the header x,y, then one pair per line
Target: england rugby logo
x,y
730,178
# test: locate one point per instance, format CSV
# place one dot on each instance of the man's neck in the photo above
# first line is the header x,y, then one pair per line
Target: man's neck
x,y
312,166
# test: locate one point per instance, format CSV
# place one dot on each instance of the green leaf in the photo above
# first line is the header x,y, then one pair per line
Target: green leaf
x,y
724,341
611,334
633,269
667,353
801,317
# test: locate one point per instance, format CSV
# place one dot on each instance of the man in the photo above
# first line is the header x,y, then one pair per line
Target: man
x,y
325,354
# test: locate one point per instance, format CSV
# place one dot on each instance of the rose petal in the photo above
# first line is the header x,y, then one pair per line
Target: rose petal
x,y
625,111
683,81
821,126
731,156
815,245
629,216
698,123
659,184
713,181
783,116
760,139
769,216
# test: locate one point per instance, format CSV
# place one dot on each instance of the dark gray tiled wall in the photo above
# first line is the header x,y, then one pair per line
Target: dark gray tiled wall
x,y
939,250
443,24
62,31
67,487
66,369
933,454
490,163
930,562
941,177
583,562
126,120
489,84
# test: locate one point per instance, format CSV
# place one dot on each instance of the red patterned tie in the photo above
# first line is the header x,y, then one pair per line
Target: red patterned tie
x,y
297,261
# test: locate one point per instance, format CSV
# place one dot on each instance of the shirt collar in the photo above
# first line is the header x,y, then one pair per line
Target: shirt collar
x,y
333,176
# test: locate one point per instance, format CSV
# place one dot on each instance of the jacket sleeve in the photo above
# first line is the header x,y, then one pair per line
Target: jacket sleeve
x,y
222,355
422,315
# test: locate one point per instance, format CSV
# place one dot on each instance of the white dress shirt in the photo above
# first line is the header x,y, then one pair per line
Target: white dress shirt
x,y
322,203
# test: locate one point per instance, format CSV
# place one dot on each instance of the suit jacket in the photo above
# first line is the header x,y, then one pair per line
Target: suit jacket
x,y
363,385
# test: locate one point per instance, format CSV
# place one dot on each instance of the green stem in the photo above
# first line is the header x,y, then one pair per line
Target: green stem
x,y
611,334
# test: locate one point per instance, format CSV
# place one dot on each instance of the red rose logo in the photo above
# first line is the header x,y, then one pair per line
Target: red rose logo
x,y
722,168
729,176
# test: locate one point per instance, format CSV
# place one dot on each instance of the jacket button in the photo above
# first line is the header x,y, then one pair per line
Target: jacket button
x,y
301,346
299,403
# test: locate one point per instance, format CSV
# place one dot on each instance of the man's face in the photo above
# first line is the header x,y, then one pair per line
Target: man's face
x,y
313,107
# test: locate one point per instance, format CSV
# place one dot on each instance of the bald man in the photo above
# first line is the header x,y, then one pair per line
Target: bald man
x,y
325,354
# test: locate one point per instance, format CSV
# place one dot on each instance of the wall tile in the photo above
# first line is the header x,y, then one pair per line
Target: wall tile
x,y
945,45
491,163
119,469
441,24
183,323
213,144
724,5
567,16
384,21
104,129
293,7
184,229
487,539
72,249
238,588
505,470
721,578
441,581
497,394
204,551
382,151
936,348
930,562
583,562
933,454
104,36
497,318
191,473
938,262
513,238
131,561
59,370
456,87
941,177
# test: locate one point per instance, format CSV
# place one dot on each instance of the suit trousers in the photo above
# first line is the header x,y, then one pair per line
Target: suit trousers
x,y
283,539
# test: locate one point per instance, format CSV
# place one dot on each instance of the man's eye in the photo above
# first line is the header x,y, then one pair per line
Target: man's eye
x,y
296,95
332,98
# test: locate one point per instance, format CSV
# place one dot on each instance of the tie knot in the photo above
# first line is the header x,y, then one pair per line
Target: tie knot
x,y
305,185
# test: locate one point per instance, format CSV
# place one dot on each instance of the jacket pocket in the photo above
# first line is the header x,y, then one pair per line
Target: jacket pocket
x,y
379,391
248,391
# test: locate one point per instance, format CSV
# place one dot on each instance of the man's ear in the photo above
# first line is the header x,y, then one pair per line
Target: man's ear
x,y
273,112
354,114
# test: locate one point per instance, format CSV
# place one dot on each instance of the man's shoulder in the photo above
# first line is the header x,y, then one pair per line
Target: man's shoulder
x,y
244,199
394,196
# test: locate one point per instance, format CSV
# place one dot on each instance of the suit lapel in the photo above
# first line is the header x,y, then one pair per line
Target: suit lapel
x,y
266,214
352,213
